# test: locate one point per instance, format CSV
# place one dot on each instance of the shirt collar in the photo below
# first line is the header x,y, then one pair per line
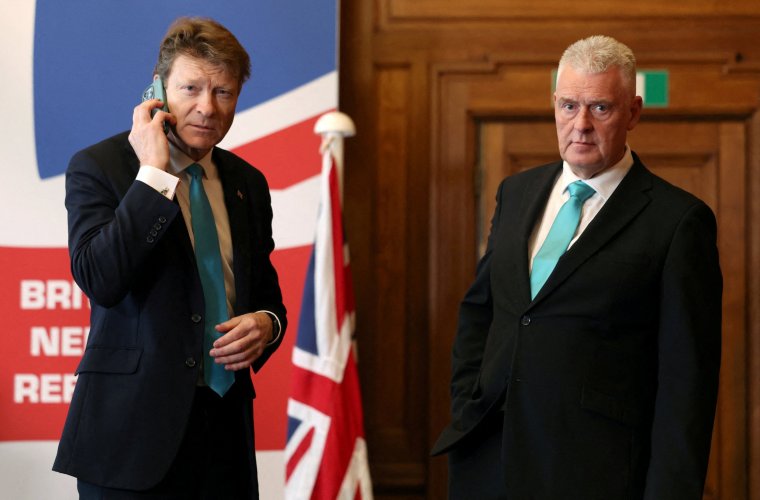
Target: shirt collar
x,y
603,183
179,161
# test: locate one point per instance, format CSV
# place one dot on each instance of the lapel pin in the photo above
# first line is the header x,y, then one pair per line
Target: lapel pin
x,y
240,195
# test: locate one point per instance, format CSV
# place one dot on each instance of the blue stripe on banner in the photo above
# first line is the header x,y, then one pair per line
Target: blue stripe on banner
x,y
307,327
93,59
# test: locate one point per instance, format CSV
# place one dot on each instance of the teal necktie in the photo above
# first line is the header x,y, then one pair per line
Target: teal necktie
x,y
560,235
209,261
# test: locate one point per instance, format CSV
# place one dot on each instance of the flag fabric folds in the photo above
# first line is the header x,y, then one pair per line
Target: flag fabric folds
x,y
326,453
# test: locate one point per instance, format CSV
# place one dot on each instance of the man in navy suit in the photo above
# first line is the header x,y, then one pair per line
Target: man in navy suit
x,y
599,381
143,422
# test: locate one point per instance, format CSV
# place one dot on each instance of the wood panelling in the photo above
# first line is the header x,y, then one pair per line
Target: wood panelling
x,y
390,244
530,9
732,403
449,97
394,416
753,305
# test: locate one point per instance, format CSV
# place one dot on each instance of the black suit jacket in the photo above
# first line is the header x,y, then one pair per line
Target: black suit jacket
x,y
608,379
131,254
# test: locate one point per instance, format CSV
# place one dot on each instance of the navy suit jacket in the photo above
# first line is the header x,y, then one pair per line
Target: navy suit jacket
x,y
608,378
132,256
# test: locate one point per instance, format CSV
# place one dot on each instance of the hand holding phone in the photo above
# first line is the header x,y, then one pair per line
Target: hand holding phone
x,y
150,145
156,91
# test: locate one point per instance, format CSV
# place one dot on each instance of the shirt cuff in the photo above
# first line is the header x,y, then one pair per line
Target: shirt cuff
x,y
163,182
276,326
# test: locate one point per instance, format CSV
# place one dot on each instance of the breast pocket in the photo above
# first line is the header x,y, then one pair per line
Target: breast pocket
x,y
621,267
628,283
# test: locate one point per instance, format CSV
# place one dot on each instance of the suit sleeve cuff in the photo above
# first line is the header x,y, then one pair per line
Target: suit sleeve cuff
x,y
276,326
163,182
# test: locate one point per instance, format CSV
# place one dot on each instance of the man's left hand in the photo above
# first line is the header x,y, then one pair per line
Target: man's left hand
x,y
244,339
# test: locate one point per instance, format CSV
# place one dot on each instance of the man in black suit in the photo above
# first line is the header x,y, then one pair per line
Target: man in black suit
x,y
144,421
595,377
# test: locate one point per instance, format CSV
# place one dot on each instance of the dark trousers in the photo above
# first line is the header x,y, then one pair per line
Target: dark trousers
x,y
215,460
476,468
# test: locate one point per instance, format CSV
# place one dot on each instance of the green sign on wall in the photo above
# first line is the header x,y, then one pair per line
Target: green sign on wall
x,y
653,85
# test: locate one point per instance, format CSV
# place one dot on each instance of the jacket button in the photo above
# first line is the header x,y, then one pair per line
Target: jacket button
x,y
525,320
157,226
195,318
162,219
150,239
190,362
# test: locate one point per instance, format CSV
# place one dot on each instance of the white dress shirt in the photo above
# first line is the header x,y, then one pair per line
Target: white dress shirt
x,y
603,183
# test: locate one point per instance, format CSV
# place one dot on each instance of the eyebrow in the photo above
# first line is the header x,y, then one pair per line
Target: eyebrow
x,y
594,102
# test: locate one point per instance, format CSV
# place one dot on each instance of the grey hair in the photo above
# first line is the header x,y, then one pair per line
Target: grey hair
x,y
597,54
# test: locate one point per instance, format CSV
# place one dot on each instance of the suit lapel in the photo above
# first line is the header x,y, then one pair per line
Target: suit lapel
x,y
237,204
535,193
181,235
628,200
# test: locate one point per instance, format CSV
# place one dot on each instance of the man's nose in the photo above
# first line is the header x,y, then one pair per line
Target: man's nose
x,y
582,120
205,104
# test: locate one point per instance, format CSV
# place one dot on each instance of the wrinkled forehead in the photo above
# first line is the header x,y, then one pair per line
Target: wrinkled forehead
x,y
608,84
185,66
188,65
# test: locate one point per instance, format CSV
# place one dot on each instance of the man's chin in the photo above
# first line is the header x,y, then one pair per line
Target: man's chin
x,y
583,161
193,148
584,167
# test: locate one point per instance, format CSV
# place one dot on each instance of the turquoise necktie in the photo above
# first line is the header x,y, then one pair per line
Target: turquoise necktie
x,y
209,261
560,235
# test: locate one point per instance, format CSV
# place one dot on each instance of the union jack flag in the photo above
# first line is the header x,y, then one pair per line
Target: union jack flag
x,y
326,453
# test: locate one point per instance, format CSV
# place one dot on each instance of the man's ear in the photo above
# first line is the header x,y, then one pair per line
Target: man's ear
x,y
636,107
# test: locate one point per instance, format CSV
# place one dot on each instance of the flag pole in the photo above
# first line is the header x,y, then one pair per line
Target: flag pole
x,y
334,127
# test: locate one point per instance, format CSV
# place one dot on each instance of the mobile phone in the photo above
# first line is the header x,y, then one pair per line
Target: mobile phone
x,y
156,90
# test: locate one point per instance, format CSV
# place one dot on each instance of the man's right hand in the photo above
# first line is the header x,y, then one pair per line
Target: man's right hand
x,y
147,136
